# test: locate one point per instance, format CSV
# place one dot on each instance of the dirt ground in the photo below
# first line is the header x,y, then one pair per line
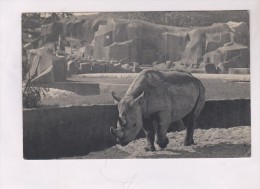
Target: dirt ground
x,y
211,143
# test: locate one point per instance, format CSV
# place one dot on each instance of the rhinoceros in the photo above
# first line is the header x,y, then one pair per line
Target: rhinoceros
x,y
161,98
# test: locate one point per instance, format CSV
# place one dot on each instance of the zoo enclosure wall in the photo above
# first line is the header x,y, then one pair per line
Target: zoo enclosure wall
x,y
77,130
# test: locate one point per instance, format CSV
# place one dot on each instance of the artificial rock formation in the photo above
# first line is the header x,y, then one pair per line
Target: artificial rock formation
x,y
145,43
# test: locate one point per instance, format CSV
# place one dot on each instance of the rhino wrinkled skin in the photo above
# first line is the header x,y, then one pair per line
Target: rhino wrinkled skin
x,y
153,101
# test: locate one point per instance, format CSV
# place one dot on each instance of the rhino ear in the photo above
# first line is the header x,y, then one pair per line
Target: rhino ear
x,y
139,99
115,96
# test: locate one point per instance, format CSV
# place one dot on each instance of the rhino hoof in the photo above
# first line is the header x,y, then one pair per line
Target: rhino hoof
x,y
149,148
164,143
188,143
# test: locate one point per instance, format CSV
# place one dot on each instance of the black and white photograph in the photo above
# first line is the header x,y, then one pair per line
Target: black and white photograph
x,y
129,94
120,85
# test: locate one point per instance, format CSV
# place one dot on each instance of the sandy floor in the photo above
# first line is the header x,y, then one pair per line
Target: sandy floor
x,y
211,143
57,93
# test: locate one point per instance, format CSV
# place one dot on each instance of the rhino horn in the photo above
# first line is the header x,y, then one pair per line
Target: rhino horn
x,y
139,99
112,131
115,96
116,132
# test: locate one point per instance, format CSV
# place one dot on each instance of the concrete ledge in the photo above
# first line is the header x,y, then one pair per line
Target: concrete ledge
x,y
77,130
239,71
225,114
233,77
67,131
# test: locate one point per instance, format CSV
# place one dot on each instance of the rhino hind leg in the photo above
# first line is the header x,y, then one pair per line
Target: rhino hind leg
x,y
189,123
191,119
150,135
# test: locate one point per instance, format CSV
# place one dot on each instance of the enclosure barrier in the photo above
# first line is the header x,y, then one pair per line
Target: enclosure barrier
x,y
77,130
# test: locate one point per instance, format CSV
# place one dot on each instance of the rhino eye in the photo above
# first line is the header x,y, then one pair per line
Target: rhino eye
x,y
134,125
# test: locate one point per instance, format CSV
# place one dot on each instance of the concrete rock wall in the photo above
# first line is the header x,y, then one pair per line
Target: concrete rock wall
x,y
78,130
191,45
47,67
67,131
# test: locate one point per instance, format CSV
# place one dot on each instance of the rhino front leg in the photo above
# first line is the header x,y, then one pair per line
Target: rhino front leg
x,y
163,124
150,135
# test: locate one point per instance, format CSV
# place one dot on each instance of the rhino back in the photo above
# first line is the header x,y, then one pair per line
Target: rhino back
x,y
149,80
176,92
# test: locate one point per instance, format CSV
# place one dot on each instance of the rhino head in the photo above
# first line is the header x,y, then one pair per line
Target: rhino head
x,y
130,120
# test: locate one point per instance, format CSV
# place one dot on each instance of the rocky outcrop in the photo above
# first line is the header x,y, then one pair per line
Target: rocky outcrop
x,y
46,67
146,43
